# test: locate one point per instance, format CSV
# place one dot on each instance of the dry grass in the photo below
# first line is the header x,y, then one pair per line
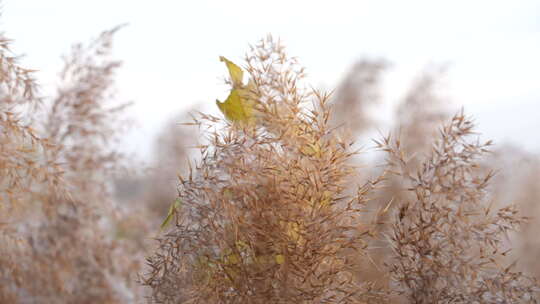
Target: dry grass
x,y
57,245
356,94
175,145
266,217
447,238
275,212
25,162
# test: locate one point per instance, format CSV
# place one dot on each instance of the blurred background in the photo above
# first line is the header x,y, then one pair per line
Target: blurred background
x,y
170,49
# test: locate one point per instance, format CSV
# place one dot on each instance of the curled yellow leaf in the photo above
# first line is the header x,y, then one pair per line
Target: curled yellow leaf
x,y
240,104
235,72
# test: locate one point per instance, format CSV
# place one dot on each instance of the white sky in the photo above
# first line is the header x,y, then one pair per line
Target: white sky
x,y
170,50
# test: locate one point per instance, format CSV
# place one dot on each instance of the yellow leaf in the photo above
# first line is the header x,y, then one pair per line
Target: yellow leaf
x,y
239,105
235,72
280,259
235,108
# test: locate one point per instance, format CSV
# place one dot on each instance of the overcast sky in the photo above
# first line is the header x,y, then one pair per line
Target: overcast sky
x,y
171,48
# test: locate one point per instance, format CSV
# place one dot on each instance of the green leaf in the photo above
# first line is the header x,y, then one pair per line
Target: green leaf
x,y
175,206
